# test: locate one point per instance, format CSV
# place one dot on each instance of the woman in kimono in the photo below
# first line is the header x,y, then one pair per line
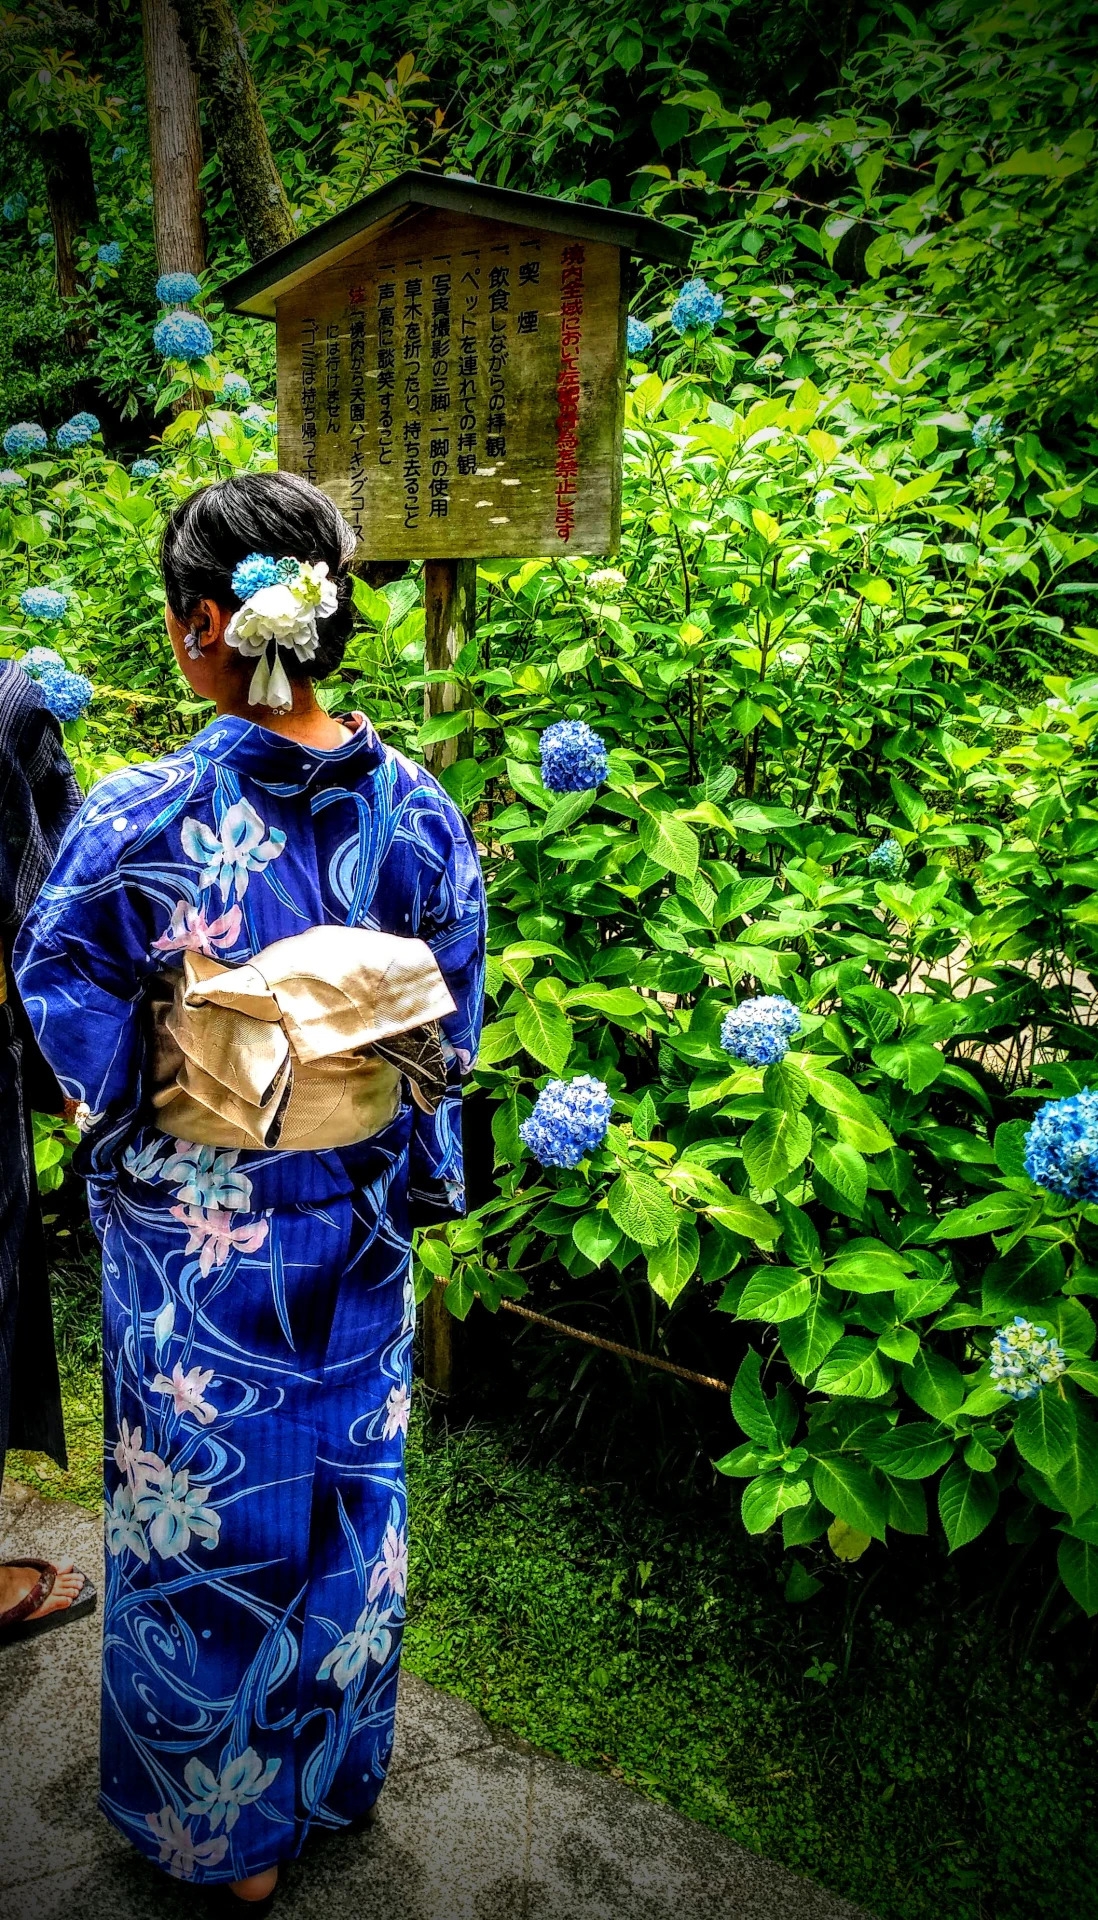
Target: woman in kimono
x,y
258,966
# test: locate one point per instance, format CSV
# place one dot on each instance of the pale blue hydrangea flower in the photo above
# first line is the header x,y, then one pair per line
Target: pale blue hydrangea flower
x,y
1025,1358
235,387
1062,1146
145,469
15,206
118,154
43,603
67,695
696,306
255,420
886,859
9,479
769,363
25,437
175,289
77,431
45,240
569,1121
759,1031
182,336
36,658
256,571
987,431
110,254
573,757
638,335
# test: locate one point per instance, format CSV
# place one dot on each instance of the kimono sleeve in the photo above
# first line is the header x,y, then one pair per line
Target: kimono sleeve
x,y
452,922
82,961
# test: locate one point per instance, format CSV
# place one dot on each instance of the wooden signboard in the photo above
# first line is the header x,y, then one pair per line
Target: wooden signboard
x,y
457,388
451,366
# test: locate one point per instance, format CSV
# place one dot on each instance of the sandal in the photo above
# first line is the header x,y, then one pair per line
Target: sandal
x,y
16,1624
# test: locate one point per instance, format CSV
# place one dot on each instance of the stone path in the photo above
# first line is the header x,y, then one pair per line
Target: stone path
x,y
472,1825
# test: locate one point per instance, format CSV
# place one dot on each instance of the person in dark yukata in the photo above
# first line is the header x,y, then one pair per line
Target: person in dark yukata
x,y
38,797
258,965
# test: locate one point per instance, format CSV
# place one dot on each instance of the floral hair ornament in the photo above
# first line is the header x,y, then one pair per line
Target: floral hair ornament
x,y
283,599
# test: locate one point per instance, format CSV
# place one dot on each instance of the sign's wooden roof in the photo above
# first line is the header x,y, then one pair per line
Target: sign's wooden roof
x,y
257,289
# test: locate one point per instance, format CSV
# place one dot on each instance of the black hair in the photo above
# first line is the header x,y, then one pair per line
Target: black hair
x,y
280,514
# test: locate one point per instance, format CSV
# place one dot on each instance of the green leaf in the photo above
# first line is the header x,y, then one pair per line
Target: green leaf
x,y
777,1143
435,1255
913,1062
910,1452
966,1504
1045,1431
852,1493
444,726
868,1270
1075,1483
460,1294
464,782
506,1121
906,1506
1077,1563
642,1208
992,1213
858,1123
498,1042
1010,1147
772,1494
935,1384
596,1236
774,1293
799,1236
844,1170
899,1343
785,1086
745,1217
854,1369
809,1339
673,1264
545,1031
750,1407
802,1525
669,843
800,1585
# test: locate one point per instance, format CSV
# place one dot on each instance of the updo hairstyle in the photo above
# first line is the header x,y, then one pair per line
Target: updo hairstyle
x,y
213,530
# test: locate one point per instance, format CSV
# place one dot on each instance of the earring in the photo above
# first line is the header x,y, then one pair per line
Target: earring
x,y
193,643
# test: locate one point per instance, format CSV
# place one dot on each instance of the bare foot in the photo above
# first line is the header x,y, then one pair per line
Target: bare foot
x,y
16,1583
258,1887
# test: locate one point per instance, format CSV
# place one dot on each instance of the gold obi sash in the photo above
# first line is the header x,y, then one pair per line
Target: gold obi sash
x,y
302,1047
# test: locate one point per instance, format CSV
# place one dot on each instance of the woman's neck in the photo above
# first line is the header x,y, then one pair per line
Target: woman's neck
x,y
306,722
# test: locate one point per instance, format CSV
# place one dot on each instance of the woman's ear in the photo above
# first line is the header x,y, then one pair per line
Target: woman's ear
x,y
208,622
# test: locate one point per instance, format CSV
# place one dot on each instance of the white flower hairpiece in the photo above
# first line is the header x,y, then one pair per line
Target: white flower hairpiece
x,y
280,609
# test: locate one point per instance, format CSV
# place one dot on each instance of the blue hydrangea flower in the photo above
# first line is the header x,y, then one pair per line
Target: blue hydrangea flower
x,y
1062,1146
182,336
696,306
36,658
886,859
45,240
235,387
43,603
1025,1358
573,757
110,254
25,437
145,469
569,1121
118,154
77,431
15,206
175,289
255,420
10,479
987,431
67,695
759,1031
256,571
638,335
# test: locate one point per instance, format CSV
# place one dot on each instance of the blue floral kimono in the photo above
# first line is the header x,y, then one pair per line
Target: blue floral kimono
x,y
258,1310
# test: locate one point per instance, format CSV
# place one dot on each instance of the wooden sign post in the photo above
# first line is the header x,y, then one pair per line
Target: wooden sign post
x,y
451,371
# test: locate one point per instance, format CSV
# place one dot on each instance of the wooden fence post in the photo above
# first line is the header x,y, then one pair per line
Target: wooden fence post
x,y
450,603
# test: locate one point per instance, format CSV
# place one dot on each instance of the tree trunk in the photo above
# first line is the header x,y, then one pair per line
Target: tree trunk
x,y
175,142
70,195
219,57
